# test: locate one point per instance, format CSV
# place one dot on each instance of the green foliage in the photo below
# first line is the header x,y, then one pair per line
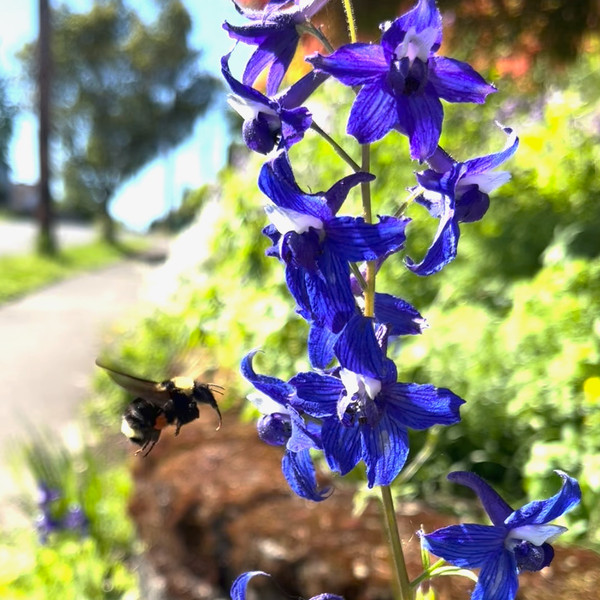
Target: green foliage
x,y
20,275
184,215
71,565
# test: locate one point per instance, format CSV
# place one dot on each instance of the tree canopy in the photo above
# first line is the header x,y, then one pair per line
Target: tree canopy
x,y
124,90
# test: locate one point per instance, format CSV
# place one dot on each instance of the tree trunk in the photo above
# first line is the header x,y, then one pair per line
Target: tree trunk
x,y
46,243
107,225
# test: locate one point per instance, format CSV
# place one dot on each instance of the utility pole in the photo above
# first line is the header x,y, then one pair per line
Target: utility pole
x,y
46,240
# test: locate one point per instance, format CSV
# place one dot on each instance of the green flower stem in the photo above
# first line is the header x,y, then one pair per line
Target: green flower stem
x,y
349,12
309,28
359,276
427,573
338,149
404,590
422,457
365,189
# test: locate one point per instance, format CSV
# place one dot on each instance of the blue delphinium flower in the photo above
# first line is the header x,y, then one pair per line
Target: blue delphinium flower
x,y
238,589
365,411
402,81
46,521
317,246
458,193
277,122
282,425
275,32
518,540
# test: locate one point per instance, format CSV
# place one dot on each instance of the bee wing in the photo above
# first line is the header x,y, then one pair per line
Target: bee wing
x,y
149,390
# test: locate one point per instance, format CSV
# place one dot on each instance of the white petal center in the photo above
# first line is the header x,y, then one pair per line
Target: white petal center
x,y
286,219
416,45
359,384
536,534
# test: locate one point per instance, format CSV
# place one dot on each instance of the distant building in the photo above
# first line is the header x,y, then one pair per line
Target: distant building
x,y
23,198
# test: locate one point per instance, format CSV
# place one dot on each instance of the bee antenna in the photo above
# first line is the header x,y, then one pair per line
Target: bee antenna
x,y
216,388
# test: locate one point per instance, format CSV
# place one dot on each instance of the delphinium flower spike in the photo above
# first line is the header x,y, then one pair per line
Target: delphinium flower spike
x,y
518,540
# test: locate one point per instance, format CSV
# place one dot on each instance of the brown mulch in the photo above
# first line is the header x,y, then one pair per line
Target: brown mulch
x,y
211,505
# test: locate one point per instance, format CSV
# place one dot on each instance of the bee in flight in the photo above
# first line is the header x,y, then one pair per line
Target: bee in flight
x,y
158,404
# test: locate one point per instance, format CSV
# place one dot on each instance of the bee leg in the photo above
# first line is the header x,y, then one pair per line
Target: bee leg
x,y
177,427
150,445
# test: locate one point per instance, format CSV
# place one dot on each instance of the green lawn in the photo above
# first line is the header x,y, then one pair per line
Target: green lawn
x,y
22,274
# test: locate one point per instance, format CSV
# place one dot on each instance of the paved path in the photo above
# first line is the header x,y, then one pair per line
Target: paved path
x,y
18,237
48,343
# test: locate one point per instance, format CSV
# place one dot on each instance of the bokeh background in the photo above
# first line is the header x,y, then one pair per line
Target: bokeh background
x,y
514,321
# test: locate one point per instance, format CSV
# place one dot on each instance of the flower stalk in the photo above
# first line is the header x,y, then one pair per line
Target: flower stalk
x,y
404,590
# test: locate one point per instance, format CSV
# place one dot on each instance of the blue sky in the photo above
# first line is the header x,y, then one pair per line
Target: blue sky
x,y
148,194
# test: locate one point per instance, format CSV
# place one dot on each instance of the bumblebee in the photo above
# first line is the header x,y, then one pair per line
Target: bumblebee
x,y
158,404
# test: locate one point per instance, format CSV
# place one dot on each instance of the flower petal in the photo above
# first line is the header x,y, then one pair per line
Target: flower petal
x,y
316,394
355,240
442,250
294,122
420,117
341,445
339,191
353,64
537,534
544,511
496,508
298,93
456,81
385,449
296,283
299,472
240,89
358,351
373,113
424,15
320,344
277,182
469,546
491,161
275,388
498,578
401,317
238,589
281,48
420,406
331,300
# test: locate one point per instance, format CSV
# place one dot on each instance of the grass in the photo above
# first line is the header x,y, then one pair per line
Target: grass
x,y
22,274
